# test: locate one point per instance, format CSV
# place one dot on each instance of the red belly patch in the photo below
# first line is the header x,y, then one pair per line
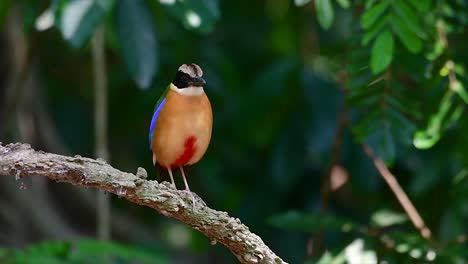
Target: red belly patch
x,y
189,151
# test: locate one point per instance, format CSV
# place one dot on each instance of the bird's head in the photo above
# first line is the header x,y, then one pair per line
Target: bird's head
x,y
189,75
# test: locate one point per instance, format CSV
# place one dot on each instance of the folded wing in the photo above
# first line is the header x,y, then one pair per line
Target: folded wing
x,y
159,106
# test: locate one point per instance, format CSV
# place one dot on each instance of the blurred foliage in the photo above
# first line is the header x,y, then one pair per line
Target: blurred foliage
x,y
296,87
83,251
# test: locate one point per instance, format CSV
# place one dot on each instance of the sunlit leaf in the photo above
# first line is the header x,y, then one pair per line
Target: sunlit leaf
x,y
438,48
356,253
46,20
138,40
459,88
382,52
301,2
328,258
197,15
444,71
384,218
369,3
424,139
80,18
344,3
325,13
459,69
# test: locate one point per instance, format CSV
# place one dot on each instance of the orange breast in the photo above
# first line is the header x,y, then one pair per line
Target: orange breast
x,y
183,130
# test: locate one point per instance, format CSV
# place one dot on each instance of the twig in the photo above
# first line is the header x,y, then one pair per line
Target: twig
x,y
400,194
21,160
100,128
315,245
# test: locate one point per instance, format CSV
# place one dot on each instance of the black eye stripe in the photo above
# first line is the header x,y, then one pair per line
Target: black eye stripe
x,y
182,80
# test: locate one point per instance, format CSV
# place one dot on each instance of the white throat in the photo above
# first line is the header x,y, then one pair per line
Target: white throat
x,y
188,91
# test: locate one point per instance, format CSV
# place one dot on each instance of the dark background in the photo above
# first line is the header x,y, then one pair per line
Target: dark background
x,y
295,90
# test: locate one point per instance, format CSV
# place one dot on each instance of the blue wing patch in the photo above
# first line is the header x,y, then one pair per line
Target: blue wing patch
x,y
153,120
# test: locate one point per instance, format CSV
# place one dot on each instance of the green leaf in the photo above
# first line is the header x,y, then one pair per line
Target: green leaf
x,y
422,140
3,252
325,13
383,142
79,19
367,124
411,41
99,248
422,5
385,218
369,3
53,252
382,52
409,16
85,251
371,15
310,223
361,98
402,128
438,48
427,138
344,3
301,2
458,87
458,179
374,30
137,36
196,15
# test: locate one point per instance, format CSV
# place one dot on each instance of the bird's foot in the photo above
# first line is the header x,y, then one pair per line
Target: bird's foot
x,y
193,197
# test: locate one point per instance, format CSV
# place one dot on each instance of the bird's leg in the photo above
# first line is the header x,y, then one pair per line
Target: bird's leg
x,y
186,185
185,180
172,177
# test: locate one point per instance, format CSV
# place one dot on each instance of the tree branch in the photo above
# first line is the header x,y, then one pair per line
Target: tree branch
x,y
400,194
21,160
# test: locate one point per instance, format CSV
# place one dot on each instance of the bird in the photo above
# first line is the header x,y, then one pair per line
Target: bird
x,y
181,126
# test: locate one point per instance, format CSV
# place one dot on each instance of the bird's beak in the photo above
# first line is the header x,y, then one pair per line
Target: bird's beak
x,y
199,81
